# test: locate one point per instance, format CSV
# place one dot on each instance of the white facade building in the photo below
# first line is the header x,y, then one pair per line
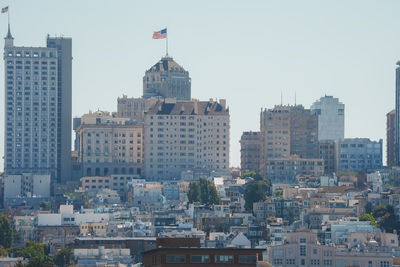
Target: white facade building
x,y
26,185
66,216
330,118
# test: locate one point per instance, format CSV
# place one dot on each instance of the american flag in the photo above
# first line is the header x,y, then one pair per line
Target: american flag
x,y
160,34
4,9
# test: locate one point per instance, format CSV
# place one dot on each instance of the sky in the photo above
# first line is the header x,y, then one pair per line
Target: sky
x,y
247,52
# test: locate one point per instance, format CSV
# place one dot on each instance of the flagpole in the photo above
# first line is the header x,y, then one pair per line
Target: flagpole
x,y
8,11
167,43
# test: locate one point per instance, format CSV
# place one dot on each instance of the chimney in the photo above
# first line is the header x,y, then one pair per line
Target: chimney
x,y
222,102
195,107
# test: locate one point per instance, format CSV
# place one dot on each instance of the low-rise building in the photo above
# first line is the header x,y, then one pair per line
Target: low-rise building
x,y
359,154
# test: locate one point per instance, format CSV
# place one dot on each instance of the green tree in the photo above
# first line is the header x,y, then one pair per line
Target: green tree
x,y
45,205
368,207
63,257
213,196
194,192
386,218
252,174
37,253
6,232
255,191
370,218
203,191
278,193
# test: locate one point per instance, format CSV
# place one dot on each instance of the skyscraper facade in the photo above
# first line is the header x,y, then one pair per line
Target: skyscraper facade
x,y
390,137
287,131
330,118
38,108
250,146
166,79
397,118
185,135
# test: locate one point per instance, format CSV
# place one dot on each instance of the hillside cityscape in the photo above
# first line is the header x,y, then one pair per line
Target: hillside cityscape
x,y
150,183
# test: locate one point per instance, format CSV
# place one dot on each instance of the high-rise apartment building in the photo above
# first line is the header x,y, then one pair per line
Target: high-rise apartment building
x,y
390,137
134,108
287,131
330,118
250,149
185,135
327,152
397,118
38,108
166,79
109,145
359,154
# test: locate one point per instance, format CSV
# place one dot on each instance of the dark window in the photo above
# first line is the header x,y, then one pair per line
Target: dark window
x,y
247,259
200,259
176,259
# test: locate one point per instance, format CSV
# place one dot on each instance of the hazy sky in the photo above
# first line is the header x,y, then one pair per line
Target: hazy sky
x,y
245,51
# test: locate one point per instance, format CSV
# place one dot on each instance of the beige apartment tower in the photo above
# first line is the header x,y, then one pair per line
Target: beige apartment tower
x,y
185,135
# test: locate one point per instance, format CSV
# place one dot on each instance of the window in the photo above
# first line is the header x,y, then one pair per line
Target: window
x,y
303,251
384,264
176,259
223,258
290,261
277,261
200,259
247,259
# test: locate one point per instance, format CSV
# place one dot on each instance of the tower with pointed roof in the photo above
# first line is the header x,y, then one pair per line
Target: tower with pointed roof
x,y
38,88
9,40
167,79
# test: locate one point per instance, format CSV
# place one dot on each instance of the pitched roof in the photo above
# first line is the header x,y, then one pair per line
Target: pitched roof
x,y
188,108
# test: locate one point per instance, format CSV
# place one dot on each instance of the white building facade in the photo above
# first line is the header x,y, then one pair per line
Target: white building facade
x,y
185,135
330,118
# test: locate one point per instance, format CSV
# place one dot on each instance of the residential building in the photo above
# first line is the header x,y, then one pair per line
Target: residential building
x,y
26,185
67,216
327,152
137,245
101,256
38,90
330,118
303,249
250,149
287,131
390,138
185,135
397,118
285,170
134,108
359,154
109,145
117,182
211,257
167,79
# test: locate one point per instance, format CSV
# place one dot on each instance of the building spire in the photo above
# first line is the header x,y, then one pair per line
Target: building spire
x,y
9,36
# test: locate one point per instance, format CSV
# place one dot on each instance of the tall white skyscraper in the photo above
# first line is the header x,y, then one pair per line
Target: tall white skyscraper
x,y
330,118
38,108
